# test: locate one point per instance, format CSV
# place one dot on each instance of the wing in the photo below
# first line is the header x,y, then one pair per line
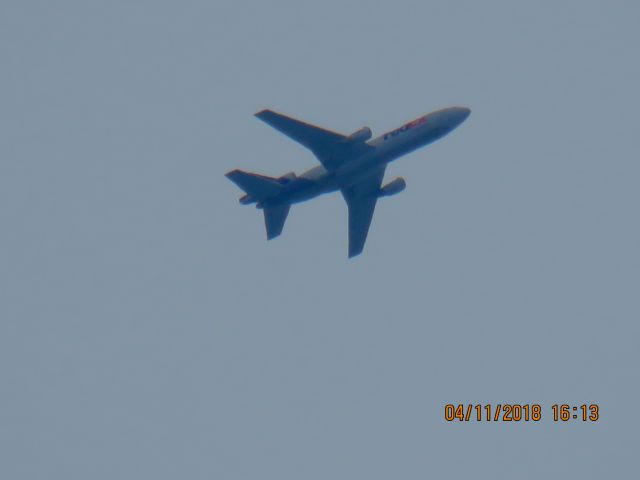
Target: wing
x,y
331,148
361,200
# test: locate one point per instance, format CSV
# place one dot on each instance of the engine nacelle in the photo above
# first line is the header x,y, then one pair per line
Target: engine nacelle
x,y
361,135
247,199
393,187
287,177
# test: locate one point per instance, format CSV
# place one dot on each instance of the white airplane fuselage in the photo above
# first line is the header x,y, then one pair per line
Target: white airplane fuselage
x,y
385,148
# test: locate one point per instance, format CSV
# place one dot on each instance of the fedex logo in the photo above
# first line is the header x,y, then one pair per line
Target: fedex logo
x,y
405,127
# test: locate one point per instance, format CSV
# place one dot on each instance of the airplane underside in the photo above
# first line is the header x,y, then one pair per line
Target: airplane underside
x,y
350,164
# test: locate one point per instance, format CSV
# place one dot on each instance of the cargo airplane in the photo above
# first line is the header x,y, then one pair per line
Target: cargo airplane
x,y
353,164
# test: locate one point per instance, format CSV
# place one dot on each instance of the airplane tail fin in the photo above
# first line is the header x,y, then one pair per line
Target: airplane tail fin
x,y
258,187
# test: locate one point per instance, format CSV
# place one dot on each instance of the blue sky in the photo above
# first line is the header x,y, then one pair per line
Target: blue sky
x,y
148,329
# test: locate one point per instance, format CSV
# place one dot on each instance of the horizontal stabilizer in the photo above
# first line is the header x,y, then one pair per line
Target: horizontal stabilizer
x,y
257,186
274,218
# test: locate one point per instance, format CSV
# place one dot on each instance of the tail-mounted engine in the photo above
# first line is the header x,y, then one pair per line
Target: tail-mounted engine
x,y
247,199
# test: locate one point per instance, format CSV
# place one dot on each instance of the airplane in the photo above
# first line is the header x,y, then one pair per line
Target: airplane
x,y
353,164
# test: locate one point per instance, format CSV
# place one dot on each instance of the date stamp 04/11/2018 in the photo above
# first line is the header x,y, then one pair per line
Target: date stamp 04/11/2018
x,y
516,412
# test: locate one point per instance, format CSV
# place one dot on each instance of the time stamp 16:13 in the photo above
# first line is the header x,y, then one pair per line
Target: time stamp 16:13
x,y
516,412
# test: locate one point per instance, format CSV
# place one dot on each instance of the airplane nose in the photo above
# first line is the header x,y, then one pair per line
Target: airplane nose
x,y
458,115
463,113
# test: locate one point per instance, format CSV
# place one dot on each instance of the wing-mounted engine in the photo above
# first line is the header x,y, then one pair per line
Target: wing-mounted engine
x,y
360,136
287,177
393,187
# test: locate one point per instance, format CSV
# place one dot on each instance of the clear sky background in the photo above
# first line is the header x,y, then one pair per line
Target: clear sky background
x,y
148,330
